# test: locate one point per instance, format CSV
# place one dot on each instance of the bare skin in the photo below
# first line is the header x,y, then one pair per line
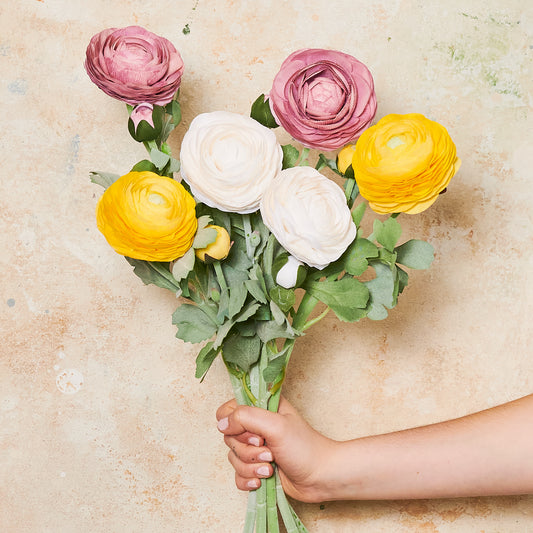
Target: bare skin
x,y
483,454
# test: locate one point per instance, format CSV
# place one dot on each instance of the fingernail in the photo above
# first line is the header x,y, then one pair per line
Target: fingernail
x,y
253,483
265,456
254,441
263,471
223,423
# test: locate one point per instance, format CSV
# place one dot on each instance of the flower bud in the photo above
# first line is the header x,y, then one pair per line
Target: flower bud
x,y
145,122
288,271
218,249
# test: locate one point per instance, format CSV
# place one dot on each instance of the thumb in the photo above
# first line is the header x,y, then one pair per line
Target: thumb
x,y
252,419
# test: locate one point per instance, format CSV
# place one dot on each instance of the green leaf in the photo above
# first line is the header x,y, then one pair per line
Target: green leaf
x,y
277,314
154,273
387,257
144,166
323,161
387,233
415,254
204,236
357,255
262,113
290,156
345,297
254,288
403,279
173,108
276,364
241,351
159,158
268,330
358,213
205,359
237,297
193,324
381,292
174,166
245,314
284,298
105,179
183,265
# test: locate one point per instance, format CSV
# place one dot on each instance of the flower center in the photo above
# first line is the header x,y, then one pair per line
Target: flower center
x,y
395,141
156,199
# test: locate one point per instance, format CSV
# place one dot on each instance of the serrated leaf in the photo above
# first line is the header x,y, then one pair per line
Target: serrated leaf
x,y
183,265
284,298
241,351
204,237
254,288
205,359
193,324
262,113
381,292
154,273
105,179
345,297
225,328
159,158
237,297
387,233
268,330
357,255
415,254
290,156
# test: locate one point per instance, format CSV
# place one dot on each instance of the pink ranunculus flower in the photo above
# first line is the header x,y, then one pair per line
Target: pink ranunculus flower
x,y
134,65
323,98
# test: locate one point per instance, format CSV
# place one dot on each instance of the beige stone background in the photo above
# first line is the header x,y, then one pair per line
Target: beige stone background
x,y
133,447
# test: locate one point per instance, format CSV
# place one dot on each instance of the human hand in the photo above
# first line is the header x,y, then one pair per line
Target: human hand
x,y
256,437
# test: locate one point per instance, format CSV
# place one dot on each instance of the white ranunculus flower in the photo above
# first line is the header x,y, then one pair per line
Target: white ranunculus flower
x,y
308,215
229,160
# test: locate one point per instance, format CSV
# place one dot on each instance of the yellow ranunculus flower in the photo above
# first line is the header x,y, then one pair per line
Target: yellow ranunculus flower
x,y
218,249
146,216
403,163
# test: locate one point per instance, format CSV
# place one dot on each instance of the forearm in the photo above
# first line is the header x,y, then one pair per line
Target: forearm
x,y
487,453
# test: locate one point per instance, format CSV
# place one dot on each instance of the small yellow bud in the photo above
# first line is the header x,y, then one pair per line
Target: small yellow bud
x,y
218,249
344,158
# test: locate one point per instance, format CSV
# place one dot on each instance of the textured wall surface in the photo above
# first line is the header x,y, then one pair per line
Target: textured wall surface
x,y
103,427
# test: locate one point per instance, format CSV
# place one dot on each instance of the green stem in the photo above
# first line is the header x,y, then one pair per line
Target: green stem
x,y
220,276
249,521
310,323
150,145
284,507
272,507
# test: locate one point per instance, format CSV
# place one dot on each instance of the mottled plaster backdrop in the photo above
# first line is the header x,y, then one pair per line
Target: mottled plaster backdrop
x,y
103,427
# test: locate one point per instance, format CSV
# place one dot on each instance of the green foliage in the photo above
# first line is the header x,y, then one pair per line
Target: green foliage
x,y
105,179
345,297
262,113
205,359
145,166
382,289
241,351
154,273
415,254
387,233
290,156
193,323
357,256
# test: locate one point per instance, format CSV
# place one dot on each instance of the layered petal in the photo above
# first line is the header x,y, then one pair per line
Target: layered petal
x,y
308,215
146,216
403,163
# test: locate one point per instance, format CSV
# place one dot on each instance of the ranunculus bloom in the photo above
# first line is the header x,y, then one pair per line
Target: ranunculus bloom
x,y
228,160
323,98
403,163
308,215
146,216
134,65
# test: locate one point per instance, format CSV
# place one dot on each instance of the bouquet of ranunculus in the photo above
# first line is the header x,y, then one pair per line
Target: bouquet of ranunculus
x,y
252,237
